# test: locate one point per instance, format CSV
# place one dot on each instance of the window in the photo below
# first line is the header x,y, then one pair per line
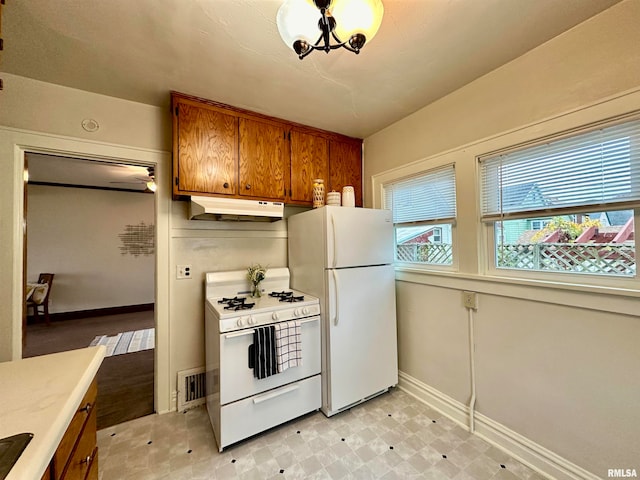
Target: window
x,y
424,212
436,235
587,188
539,224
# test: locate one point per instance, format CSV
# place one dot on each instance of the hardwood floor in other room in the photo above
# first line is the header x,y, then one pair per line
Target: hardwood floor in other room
x,y
125,382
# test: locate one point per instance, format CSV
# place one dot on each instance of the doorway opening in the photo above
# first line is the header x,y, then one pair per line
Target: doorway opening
x,y
90,223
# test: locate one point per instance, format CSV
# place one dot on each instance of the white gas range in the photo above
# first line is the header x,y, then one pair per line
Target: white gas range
x,y
238,403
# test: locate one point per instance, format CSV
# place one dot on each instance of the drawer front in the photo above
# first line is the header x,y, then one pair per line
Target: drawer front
x,y
236,378
92,474
83,456
70,438
247,417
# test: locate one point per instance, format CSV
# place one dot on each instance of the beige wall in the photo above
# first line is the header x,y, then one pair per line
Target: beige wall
x,y
595,59
557,365
74,233
44,107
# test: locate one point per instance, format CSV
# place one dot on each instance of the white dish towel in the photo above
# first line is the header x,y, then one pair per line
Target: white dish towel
x,y
288,345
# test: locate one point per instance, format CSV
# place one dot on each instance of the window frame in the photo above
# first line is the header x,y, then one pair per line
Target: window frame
x,y
569,279
453,266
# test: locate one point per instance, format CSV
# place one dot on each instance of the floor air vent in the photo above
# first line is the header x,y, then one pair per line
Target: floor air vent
x,y
190,388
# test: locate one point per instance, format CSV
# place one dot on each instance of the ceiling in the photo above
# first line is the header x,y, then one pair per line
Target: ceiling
x,y
70,172
230,51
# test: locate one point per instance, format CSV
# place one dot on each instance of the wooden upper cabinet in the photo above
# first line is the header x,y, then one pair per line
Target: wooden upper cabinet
x,y
205,160
264,159
223,150
309,160
345,167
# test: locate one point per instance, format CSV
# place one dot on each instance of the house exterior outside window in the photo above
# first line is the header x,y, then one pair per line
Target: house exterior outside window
x,y
539,224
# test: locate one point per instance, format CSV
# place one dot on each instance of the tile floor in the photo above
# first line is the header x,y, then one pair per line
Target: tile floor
x,y
393,436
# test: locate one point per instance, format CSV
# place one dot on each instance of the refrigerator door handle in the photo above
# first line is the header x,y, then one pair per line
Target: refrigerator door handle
x,y
335,244
336,288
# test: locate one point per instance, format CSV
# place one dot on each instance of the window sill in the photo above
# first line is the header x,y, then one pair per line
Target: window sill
x,y
600,298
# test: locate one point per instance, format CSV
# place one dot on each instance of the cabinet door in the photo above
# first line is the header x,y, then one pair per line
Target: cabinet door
x,y
345,167
207,151
309,160
70,438
263,159
85,452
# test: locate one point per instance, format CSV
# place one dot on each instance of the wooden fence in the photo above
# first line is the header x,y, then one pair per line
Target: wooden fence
x,y
438,253
605,258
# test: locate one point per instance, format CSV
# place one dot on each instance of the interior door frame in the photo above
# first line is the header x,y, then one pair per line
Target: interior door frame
x,y
19,142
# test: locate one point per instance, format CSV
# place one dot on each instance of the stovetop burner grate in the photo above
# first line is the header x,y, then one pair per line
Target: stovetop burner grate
x,y
292,299
229,301
239,306
282,294
288,297
236,303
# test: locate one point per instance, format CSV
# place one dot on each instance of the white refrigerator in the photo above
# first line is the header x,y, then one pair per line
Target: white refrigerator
x,y
344,257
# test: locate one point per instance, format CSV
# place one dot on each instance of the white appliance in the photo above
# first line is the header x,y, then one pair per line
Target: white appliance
x,y
344,256
239,404
234,209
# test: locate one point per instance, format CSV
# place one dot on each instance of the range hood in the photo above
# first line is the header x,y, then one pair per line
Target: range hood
x,y
234,209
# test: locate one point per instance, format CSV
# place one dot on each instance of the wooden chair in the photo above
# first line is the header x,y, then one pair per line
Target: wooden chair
x,y
48,279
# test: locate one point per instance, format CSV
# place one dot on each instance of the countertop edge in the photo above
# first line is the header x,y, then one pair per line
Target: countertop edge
x,y
34,461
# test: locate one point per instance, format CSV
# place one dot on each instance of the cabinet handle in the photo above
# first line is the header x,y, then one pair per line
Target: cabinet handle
x,y
248,187
86,460
226,185
86,408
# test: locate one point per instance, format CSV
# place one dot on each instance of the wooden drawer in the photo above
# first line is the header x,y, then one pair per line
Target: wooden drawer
x,y
92,474
85,454
70,439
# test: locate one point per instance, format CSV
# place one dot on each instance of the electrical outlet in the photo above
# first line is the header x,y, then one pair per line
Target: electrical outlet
x,y
470,300
183,271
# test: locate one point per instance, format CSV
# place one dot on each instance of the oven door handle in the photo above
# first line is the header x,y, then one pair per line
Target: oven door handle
x,y
336,289
239,334
249,332
276,393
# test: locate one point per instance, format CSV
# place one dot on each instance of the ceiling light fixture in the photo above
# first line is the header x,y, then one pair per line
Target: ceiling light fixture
x,y
356,20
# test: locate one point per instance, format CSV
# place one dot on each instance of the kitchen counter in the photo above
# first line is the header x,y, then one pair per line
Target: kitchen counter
x,y
40,395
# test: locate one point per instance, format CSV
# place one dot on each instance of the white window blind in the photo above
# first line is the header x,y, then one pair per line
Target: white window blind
x,y
592,169
427,198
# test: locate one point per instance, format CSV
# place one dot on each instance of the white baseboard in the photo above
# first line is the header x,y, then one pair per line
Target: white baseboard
x,y
535,456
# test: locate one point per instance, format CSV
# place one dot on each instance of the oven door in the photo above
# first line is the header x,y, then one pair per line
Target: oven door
x,y
236,378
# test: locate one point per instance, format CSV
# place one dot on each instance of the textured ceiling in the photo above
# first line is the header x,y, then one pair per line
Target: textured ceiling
x,y
230,51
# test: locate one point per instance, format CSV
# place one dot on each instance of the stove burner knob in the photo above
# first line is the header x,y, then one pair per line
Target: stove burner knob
x,y
275,316
305,310
296,312
240,322
251,321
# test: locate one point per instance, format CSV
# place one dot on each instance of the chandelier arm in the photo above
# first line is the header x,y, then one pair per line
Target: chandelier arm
x,y
302,55
342,44
316,46
324,40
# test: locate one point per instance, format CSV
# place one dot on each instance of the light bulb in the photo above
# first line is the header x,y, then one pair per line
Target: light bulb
x,y
298,20
357,16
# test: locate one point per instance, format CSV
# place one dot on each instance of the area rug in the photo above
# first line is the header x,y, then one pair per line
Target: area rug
x,y
126,342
